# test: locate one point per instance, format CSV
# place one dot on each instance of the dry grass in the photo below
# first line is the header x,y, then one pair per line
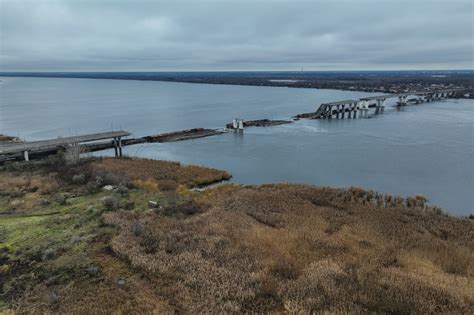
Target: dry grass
x,y
167,175
232,248
42,184
302,249
85,297
21,194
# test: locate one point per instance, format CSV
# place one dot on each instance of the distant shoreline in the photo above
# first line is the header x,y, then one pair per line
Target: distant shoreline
x,y
377,81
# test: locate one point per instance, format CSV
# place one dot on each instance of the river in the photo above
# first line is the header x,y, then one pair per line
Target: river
x,y
422,149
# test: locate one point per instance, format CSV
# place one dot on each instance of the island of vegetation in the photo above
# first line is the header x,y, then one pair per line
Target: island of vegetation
x,y
130,235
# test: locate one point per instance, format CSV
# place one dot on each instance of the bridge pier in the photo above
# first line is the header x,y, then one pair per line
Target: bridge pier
x,y
402,100
363,107
120,145
379,107
115,146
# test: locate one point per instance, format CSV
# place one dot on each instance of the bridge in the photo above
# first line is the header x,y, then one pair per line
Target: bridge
x,y
352,107
25,148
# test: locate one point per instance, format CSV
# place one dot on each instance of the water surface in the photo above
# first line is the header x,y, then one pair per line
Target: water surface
x,y
423,149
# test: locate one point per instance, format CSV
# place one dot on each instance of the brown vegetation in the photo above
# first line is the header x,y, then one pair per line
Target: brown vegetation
x,y
303,249
232,248
168,175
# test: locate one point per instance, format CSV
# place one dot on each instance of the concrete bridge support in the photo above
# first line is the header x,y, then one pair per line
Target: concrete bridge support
x,y
118,146
352,110
402,100
379,107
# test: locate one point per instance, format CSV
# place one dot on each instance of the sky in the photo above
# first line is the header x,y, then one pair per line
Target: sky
x,y
174,35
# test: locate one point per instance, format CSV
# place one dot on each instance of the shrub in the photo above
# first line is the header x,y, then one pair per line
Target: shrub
x,y
411,202
79,179
48,254
92,187
129,205
137,228
188,207
284,269
110,202
421,200
56,161
105,177
149,243
148,185
168,185
62,198
399,202
14,166
122,190
437,210
99,181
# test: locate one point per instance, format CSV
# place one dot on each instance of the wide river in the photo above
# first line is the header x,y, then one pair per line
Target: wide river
x,y
422,149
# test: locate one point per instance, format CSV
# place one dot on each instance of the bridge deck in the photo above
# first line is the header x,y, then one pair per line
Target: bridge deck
x,y
340,102
379,97
52,143
383,97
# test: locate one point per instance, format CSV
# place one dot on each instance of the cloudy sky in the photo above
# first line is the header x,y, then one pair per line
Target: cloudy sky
x,y
145,35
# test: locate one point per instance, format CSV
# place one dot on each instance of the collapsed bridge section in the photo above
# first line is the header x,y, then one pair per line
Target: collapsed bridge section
x,y
339,109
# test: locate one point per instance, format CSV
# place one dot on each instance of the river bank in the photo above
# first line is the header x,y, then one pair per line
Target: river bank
x,y
131,235
362,81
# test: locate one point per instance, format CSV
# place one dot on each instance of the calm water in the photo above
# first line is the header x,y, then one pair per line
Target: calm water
x,y
423,149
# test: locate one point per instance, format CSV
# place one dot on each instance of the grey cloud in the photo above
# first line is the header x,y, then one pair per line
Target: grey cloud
x,y
62,35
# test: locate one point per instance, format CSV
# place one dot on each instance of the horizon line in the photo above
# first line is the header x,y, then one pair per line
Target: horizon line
x,y
164,71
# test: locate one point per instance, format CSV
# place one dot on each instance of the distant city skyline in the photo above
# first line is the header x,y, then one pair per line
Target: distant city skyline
x,y
119,35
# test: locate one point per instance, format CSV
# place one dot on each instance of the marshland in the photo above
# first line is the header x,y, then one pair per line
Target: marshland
x,y
131,235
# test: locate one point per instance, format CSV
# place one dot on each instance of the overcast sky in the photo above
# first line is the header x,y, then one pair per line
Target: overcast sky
x,y
119,35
